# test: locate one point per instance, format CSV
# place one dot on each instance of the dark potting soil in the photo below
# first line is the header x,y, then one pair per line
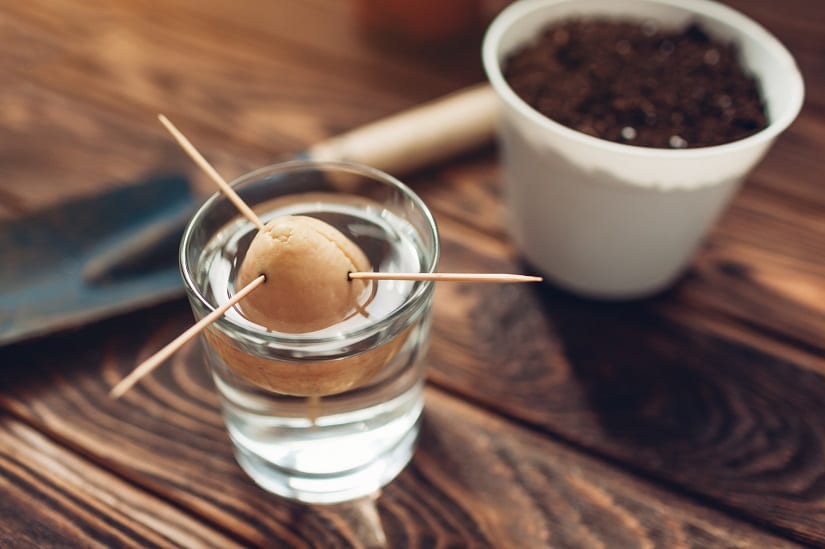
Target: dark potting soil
x,y
637,84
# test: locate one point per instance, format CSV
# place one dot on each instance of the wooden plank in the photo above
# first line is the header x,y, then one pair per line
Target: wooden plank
x,y
762,267
57,147
798,25
41,32
55,498
476,480
523,483
715,387
683,401
328,32
86,114
261,88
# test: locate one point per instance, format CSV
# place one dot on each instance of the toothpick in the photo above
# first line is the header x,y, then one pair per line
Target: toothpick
x,y
211,172
447,277
159,357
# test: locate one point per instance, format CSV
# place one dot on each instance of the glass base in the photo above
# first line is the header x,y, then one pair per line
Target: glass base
x,y
330,488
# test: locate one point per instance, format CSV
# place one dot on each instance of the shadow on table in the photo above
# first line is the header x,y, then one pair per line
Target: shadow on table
x,y
648,381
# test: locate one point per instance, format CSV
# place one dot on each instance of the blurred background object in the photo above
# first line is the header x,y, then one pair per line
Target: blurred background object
x,y
421,22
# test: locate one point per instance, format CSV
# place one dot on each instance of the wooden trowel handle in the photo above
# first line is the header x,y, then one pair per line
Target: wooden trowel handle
x,y
420,136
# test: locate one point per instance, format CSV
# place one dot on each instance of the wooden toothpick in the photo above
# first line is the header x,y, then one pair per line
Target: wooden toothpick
x,y
211,172
162,355
447,277
247,211
159,357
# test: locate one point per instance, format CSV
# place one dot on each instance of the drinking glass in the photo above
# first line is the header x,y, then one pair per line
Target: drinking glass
x,y
331,415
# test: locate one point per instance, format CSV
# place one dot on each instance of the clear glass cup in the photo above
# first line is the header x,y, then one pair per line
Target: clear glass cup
x,y
332,415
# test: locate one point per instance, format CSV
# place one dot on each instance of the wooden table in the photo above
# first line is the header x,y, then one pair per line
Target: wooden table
x,y
693,419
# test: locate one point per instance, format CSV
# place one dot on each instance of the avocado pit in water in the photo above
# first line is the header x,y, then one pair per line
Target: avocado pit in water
x,y
306,263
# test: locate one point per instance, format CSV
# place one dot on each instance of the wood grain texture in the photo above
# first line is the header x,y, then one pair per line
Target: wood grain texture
x,y
685,401
212,64
84,112
714,390
523,483
476,480
54,498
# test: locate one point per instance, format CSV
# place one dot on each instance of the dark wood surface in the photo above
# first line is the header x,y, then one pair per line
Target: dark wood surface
x,y
691,419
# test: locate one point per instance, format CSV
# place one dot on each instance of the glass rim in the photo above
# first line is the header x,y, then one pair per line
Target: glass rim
x,y
421,291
